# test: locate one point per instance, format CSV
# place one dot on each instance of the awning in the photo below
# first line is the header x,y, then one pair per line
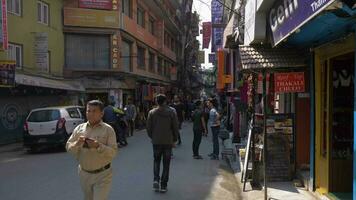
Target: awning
x,y
104,83
23,79
260,57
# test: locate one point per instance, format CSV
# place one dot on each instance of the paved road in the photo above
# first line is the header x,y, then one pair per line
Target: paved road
x,y
52,174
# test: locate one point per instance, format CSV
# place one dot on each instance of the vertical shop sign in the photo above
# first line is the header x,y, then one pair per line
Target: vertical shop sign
x,y
115,51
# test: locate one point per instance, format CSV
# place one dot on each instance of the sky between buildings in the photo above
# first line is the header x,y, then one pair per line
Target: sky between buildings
x,y
203,7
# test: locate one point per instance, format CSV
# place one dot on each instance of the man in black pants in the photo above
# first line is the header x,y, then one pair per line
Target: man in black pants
x,y
199,128
162,128
179,107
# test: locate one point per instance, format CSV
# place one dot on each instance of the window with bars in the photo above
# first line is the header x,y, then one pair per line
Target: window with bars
x,y
126,7
93,51
15,53
159,66
14,7
152,62
141,17
140,57
42,13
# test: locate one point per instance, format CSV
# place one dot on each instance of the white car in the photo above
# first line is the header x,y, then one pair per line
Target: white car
x,y
51,126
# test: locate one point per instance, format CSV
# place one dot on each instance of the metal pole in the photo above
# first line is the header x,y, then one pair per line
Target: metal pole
x,y
264,96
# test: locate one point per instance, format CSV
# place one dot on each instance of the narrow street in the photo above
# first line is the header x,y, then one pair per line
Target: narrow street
x,y
53,175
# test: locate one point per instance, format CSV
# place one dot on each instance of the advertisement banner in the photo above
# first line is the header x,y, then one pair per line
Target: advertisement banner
x,y
5,39
201,57
91,18
217,42
41,51
211,57
97,4
206,34
289,82
221,68
7,73
217,11
285,17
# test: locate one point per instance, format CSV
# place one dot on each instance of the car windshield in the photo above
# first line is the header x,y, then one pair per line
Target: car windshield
x,y
44,116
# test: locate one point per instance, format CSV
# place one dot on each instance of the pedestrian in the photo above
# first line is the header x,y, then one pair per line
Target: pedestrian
x,y
111,117
94,145
179,107
214,124
130,110
199,128
162,128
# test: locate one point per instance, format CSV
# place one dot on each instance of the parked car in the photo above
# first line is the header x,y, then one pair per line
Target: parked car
x,y
51,126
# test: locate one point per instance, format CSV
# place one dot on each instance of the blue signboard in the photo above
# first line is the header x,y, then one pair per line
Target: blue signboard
x,y
286,16
217,12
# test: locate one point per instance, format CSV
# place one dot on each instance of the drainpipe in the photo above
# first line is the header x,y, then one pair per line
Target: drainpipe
x,y
311,185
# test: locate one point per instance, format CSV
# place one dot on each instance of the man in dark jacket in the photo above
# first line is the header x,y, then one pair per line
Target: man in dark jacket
x,y
162,128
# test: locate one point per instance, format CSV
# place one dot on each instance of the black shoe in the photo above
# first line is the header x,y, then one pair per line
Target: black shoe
x,y
179,143
211,155
156,186
198,157
163,189
215,157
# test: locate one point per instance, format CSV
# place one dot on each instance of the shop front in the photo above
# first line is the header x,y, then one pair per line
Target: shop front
x,y
334,140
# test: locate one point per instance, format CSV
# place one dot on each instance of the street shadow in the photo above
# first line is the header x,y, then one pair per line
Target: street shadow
x,y
284,186
46,150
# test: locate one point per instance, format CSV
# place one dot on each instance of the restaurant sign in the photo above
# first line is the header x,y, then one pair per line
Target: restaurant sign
x,y
98,4
289,82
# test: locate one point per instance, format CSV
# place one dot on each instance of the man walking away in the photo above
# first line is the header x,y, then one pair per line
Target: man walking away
x,y
162,128
110,117
179,107
214,123
199,128
131,113
94,145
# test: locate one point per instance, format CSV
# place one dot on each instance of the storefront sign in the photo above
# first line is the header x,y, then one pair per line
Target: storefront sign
x,y
98,4
7,73
3,31
286,16
217,11
289,82
91,18
115,51
41,51
220,78
217,42
206,34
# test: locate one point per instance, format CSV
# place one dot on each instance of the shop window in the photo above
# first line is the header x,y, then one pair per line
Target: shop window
x,y
15,53
93,51
126,7
141,17
42,13
126,56
14,7
152,62
141,57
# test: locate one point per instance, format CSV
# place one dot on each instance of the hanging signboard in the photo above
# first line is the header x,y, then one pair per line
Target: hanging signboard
x,y
285,17
289,82
212,58
7,73
206,34
260,83
98,4
3,26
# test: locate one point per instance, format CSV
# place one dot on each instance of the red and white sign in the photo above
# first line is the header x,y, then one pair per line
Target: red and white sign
x,y
206,34
98,4
4,25
260,83
289,82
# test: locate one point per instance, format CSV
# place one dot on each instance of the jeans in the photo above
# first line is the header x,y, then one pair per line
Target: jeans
x,y
160,151
131,127
215,131
196,141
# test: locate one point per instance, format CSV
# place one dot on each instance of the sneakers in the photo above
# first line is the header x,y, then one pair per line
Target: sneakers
x,y
198,157
163,189
214,157
156,186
